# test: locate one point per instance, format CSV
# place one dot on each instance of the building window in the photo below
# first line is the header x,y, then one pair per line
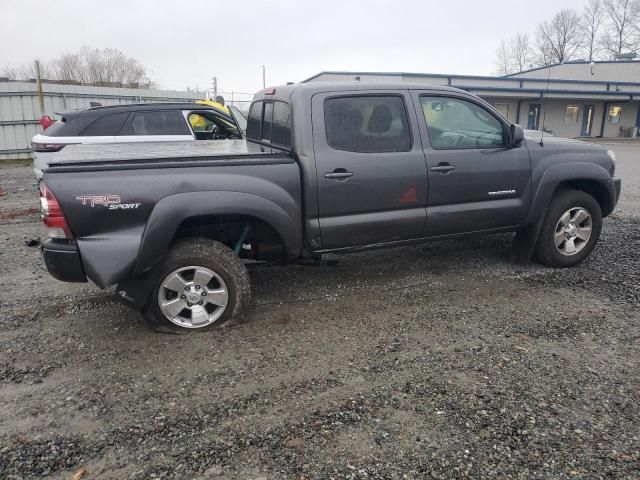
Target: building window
x,y
503,108
615,113
571,114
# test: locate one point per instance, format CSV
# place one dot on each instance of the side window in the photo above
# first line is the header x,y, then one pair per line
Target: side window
x,y
267,121
254,120
458,124
207,126
156,122
281,134
107,125
367,124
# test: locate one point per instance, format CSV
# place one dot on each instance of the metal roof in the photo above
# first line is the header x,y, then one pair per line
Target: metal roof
x,y
506,78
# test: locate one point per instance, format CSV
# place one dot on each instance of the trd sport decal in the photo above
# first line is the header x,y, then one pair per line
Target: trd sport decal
x,y
112,202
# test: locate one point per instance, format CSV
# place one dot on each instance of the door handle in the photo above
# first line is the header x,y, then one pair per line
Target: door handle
x,y
339,174
443,168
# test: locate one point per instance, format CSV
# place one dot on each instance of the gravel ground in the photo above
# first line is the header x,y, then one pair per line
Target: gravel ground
x,y
437,361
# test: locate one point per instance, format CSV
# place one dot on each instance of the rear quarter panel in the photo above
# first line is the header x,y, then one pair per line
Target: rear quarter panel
x,y
108,211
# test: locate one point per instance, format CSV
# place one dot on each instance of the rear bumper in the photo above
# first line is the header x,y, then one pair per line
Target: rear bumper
x,y
63,261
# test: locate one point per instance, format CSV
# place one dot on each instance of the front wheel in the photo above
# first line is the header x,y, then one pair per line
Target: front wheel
x,y
570,230
200,285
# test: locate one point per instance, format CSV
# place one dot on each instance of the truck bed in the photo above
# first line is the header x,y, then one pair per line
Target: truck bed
x,y
137,155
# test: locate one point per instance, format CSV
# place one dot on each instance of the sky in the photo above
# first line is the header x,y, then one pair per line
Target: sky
x,y
184,44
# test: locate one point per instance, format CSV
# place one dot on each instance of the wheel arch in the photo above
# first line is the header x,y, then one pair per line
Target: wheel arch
x,y
590,178
172,213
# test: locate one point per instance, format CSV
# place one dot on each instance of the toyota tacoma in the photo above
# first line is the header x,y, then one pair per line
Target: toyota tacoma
x,y
324,168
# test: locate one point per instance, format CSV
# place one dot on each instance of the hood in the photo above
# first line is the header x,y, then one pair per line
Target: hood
x,y
560,150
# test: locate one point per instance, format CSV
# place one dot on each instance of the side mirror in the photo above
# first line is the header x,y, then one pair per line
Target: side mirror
x,y
516,135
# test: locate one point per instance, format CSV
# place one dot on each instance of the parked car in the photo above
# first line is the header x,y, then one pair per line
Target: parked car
x,y
146,122
324,168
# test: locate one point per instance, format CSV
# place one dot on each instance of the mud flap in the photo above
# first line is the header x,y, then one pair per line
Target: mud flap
x,y
524,242
134,292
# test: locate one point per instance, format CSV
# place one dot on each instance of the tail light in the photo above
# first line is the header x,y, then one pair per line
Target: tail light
x,y
45,121
46,147
52,216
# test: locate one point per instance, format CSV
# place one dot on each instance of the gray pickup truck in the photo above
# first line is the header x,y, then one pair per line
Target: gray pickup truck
x,y
325,168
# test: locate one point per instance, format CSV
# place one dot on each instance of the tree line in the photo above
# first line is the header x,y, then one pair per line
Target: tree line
x,y
603,30
88,66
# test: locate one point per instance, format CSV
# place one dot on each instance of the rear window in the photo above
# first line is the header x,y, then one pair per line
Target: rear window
x,y
281,130
57,129
270,121
107,125
267,118
157,122
254,121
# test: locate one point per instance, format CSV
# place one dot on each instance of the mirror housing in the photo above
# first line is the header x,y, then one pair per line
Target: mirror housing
x,y
516,135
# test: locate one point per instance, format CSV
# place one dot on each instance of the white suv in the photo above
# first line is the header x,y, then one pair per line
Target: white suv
x,y
158,122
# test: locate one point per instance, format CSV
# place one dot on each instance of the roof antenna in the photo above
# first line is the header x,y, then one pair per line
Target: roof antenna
x,y
544,105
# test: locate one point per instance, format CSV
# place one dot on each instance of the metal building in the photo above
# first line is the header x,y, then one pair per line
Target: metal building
x,y
575,99
20,107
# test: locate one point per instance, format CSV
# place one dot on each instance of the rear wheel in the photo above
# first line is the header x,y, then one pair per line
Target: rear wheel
x,y
200,285
570,230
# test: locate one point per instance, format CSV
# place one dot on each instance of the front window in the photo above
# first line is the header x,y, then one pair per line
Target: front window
x,y
207,126
455,124
615,113
239,117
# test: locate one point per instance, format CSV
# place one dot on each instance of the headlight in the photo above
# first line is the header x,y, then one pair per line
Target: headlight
x,y
612,155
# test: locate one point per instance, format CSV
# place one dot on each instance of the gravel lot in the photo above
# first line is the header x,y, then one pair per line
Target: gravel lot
x,y
437,361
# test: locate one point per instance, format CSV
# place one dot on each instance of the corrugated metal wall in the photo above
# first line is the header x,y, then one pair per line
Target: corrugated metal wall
x,y
622,71
20,108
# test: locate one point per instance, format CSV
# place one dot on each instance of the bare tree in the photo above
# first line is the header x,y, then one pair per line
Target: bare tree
x,y
502,61
592,18
67,67
520,52
558,39
622,26
513,56
87,66
24,72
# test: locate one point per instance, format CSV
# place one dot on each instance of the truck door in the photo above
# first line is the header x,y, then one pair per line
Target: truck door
x,y
476,180
371,171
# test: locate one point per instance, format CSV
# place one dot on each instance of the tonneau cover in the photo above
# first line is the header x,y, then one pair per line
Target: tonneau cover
x,y
113,152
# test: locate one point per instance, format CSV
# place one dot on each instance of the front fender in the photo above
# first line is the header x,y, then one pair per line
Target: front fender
x,y
169,212
563,172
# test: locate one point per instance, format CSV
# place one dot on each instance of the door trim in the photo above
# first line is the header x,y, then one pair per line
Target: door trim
x,y
583,130
537,120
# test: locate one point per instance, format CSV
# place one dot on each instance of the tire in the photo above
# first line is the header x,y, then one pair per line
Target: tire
x,y
180,286
565,240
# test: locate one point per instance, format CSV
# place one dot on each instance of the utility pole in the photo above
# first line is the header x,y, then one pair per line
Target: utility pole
x,y
264,83
215,88
39,87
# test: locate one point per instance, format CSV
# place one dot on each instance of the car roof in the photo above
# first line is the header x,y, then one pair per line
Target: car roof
x,y
132,107
286,91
